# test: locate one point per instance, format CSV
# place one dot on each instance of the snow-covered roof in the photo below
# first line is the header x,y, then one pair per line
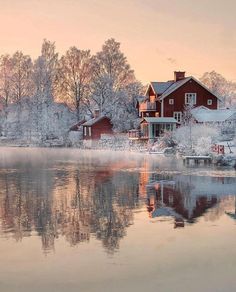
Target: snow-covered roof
x,y
175,86
140,98
161,120
165,212
76,126
166,88
160,87
94,121
205,115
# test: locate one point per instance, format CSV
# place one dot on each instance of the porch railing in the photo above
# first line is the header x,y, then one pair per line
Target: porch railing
x,y
147,106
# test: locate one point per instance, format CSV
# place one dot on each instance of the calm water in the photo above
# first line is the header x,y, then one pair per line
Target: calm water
x,y
75,220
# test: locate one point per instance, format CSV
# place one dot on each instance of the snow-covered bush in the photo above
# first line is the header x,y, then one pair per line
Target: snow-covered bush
x,y
192,138
37,123
203,146
164,141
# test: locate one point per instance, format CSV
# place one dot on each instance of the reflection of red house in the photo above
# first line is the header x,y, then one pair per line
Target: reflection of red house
x,y
93,128
176,203
168,99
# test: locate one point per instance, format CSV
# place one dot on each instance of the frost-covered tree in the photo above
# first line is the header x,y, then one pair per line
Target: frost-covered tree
x,y
21,78
44,77
74,76
111,84
5,78
223,88
45,70
200,133
188,120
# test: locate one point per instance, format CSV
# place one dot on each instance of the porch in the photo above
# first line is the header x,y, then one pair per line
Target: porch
x,y
152,128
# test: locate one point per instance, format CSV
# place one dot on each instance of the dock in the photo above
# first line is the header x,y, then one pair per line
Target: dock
x,y
197,159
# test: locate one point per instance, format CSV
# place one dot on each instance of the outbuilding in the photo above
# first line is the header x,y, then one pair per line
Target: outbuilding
x,y
94,128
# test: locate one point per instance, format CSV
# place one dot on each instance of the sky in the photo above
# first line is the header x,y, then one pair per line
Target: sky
x,y
157,36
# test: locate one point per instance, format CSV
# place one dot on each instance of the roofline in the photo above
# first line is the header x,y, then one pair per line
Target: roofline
x,y
204,86
150,84
174,89
186,80
98,120
144,119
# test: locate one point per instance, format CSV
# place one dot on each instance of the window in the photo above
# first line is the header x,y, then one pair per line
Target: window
x,y
209,102
152,98
85,131
89,131
191,98
178,116
171,101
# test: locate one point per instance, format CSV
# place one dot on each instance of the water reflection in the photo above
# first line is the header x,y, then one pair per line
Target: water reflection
x,y
74,203
96,199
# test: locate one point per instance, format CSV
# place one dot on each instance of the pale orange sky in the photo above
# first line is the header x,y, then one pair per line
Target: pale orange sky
x,y
157,36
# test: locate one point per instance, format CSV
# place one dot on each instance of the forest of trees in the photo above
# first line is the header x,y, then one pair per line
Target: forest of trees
x,y
32,92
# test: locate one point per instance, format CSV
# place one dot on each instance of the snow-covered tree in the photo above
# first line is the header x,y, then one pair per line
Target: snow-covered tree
x,y
44,76
200,133
223,88
188,120
74,77
21,79
45,70
111,84
5,78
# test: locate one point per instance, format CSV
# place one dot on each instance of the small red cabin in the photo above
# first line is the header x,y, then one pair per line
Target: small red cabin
x,y
93,128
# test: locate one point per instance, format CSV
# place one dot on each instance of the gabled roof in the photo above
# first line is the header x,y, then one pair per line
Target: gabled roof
x,y
179,83
166,88
210,116
174,86
76,126
94,121
160,87
161,120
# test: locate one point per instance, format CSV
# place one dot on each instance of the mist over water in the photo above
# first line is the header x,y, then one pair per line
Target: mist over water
x,y
67,210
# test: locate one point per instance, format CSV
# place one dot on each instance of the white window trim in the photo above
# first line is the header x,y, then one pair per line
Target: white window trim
x,y
209,101
89,131
193,97
85,131
178,116
171,101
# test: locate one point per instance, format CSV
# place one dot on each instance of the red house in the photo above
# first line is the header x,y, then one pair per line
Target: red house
x,y
93,128
168,99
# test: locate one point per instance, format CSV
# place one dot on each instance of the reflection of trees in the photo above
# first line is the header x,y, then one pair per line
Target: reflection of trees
x,y
71,203
25,204
113,202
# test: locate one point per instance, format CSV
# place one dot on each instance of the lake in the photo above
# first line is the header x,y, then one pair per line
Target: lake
x,y
79,220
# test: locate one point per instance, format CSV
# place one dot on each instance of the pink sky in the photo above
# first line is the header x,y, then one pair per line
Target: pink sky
x,y
157,36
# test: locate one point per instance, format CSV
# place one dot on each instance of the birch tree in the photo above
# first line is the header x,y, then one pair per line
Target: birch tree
x,y
223,88
21,79
111,74
44,76
5,78
74,77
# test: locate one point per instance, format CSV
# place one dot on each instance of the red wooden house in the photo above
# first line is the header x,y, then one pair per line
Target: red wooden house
x,y
93,128
168,99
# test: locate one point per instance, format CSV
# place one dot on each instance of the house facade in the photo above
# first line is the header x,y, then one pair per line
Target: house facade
x,y
94,128
169,99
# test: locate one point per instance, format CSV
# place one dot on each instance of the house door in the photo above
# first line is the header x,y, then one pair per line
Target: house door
x,y
156,130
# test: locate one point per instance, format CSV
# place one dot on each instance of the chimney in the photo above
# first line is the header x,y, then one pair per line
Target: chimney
x,y
96,113
179,75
